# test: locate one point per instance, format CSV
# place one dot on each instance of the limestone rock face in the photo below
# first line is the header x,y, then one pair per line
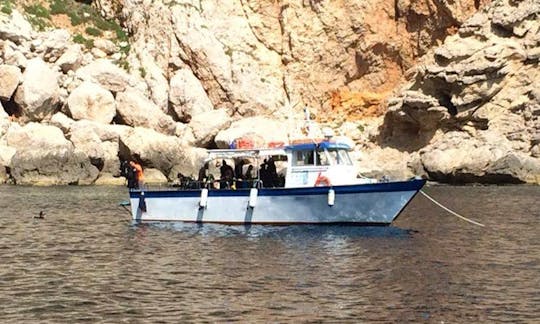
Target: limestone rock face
x,y
10,76
137,111
90,101
100,147
207,125
472,108
156,150
187,96
265,129
45,157
38,95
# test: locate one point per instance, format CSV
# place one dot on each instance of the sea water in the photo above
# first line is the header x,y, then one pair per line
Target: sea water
x,y
86,261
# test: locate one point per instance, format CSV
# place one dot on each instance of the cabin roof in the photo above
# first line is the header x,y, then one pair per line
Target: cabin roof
x,y
243,153
320,145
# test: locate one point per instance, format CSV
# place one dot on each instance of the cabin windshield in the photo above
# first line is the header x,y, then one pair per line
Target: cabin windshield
x,y
332,156
339,157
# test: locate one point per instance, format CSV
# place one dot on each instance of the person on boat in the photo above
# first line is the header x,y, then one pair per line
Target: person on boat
x,y
139,175
226,174
203,177
271,172
249,177
127,171
238,174
263,173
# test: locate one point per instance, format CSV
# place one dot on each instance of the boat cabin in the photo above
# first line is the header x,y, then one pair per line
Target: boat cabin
x,y
300,164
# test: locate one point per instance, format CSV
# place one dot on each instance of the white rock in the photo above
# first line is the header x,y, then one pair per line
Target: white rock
x,y
156,150
137,111
61,121
105,73
13,56
38,95
90,101
98,53
15,28
71,59
45,157
187,96
6,153
10,77
207,125
269,130
37,136
154,176
105,46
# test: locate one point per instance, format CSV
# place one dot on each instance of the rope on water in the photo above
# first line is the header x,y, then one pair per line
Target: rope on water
x,y
450,211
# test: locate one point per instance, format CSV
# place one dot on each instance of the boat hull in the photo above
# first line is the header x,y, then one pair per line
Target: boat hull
x,y
368,204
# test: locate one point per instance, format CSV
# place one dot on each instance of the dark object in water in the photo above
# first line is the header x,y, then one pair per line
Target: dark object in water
x,y
41,215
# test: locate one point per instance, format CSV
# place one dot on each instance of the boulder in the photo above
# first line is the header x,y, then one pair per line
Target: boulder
x,y
207,125
154,177
6,154
90,101
105,45
154,149
266,129
60,120
107,179
189,164
10,77
15,28
103,154
45,157
105,73
38,95
51,44
71,59
187,96
137,111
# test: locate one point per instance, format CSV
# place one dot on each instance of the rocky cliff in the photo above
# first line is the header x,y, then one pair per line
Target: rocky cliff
x,y
161,79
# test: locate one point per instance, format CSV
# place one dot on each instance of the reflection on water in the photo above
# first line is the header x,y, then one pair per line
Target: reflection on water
x,y
87,262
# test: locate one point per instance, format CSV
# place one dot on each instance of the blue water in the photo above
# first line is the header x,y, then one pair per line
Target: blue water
x,y
86,261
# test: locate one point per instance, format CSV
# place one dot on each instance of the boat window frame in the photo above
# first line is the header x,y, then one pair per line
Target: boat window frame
x,y
340,156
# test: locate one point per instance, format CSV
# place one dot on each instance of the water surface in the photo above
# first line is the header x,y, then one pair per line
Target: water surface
x,y
86,262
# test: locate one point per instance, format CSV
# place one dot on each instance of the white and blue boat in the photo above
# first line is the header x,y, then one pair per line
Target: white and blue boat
x,y
318,185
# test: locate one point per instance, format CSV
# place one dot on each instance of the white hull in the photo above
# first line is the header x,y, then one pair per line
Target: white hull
x,y
368,204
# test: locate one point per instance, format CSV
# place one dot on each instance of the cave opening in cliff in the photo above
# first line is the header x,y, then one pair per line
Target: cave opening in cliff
x,y
446,101
11,107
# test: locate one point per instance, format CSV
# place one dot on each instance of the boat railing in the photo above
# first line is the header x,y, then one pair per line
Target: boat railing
x,y
218,184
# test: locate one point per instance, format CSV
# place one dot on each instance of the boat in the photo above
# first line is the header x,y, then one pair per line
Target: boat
x,y
317,183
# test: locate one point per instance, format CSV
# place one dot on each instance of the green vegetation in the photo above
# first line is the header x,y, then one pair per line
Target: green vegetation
x,y
38,10
38,16
81,14
6,7
87,42
93,31
143,72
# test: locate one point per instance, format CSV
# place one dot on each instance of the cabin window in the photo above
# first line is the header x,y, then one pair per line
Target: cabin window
x,y
322,157
339,157
302,158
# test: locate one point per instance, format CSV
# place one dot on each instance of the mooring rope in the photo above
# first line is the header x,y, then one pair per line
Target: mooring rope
x,y
450,211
